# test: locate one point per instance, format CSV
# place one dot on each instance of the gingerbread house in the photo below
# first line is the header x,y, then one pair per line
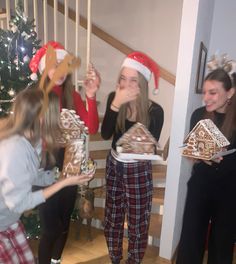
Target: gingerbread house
x,y
74,139
204,141
137,143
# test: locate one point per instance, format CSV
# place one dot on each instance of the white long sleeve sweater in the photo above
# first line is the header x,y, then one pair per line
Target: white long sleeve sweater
x,y
19,170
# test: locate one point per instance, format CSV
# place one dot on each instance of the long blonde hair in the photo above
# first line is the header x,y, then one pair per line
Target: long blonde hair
x,y
67,92
51,131
143,106
27,119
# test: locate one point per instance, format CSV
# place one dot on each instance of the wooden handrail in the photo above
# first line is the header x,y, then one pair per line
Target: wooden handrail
x,y
115,43
3,11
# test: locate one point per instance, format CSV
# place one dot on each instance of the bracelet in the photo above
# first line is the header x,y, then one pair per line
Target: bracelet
x,y
114,106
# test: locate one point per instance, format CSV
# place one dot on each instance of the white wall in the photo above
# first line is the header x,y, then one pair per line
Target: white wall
x,y
223,37
139,24
195,27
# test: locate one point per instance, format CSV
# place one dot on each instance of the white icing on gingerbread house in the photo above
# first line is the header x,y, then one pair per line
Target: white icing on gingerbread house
x,y
137,140
204,141
74,137
72,127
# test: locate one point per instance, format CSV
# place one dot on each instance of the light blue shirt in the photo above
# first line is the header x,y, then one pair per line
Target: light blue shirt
x,y
19,170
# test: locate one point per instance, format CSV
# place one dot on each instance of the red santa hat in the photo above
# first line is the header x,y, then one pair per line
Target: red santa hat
x,y
143,64
37,63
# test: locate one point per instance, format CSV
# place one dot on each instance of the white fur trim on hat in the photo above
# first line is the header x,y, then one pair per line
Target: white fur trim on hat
x,y
128,62
61,53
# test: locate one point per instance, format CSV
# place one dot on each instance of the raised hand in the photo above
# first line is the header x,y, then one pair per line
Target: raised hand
x,y
79,179
92,81
125,94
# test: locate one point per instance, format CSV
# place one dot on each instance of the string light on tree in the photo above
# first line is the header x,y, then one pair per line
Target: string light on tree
x,y
17,47
12,92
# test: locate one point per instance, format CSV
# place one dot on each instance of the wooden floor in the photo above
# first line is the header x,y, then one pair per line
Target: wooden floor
x,y
93,252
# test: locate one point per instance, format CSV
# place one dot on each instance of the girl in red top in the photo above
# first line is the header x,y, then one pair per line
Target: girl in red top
x,y
55,213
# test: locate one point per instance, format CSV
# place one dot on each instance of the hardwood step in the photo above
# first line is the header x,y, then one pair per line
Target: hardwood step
x,y
159,168
155,222
158,195
96,137
99,154
100,173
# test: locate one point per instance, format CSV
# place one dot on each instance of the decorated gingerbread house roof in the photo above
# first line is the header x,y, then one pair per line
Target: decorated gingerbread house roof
x,y
137,140
74,138
204,140
72,127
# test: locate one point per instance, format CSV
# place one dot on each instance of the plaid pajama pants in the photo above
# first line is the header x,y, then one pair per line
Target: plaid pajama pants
x,y
14,247
129,191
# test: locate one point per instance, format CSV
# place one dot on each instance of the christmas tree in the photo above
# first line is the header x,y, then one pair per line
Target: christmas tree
x,y
17,47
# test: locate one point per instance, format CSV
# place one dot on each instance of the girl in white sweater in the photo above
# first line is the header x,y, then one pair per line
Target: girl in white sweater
x,y
20,138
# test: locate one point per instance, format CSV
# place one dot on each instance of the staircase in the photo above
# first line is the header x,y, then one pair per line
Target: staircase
x,y
99,149
3,19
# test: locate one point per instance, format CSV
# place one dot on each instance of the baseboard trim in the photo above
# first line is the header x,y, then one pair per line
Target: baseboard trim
x,y
167,261
161,260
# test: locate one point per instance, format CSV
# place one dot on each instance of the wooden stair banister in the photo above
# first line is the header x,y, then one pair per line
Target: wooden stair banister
x,y
115,43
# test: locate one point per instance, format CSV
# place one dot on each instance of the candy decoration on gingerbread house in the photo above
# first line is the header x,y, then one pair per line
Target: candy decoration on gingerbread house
x,y
204,141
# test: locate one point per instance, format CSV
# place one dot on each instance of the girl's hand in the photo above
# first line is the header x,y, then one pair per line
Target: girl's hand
x,y
92,81
217,160
79,179
69,181
125,95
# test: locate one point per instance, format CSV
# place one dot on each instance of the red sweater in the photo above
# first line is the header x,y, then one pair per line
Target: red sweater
x,y
90,116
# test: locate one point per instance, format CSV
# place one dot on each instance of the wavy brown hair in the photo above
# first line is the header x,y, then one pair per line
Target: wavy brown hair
x,y
228,127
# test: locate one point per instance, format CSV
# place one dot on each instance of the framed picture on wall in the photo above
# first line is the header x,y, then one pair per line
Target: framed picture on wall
x,y
201,68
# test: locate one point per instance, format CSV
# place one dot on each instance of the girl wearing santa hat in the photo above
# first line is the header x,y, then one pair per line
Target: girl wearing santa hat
x,y
56,212
129,182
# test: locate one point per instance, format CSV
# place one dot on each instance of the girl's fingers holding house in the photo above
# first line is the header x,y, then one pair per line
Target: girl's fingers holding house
x,y
218,160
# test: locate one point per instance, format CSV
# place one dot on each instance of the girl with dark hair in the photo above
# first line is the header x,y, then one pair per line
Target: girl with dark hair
x,y
211,193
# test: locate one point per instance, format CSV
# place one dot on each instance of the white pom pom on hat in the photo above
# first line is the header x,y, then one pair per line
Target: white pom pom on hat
x,y
143,64
34,76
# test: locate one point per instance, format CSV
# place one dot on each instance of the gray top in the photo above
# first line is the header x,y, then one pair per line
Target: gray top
x,y
19,170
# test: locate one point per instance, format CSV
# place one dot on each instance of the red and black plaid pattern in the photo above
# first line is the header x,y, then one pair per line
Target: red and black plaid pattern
x,y
14,248
129,191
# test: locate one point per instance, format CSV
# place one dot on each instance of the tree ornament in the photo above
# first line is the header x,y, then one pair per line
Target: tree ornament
x,y
33,34
14,28
26,58
16,62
